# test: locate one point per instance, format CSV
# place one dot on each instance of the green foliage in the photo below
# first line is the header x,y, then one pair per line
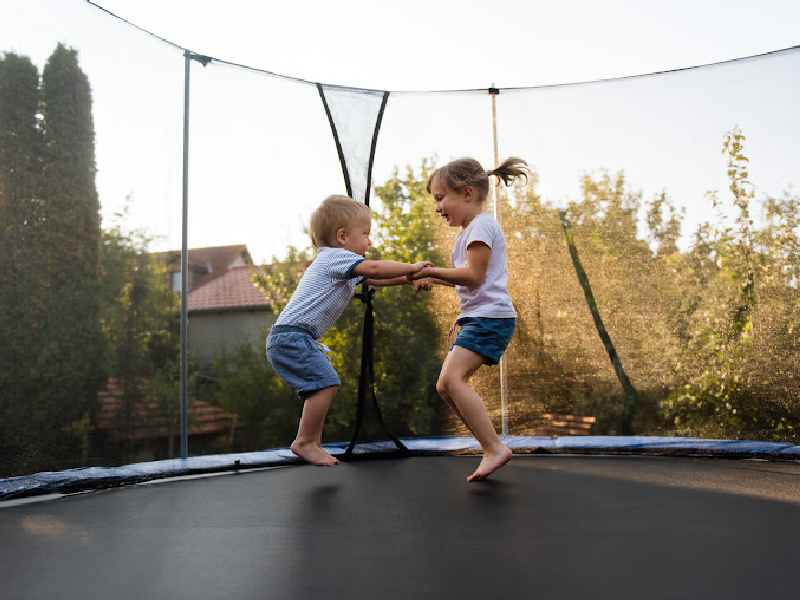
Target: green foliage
x,y
140,320
266,411
139,313
406,338
664,233
49,217
281,277
739,359
406,364
709,336
557,362
20,287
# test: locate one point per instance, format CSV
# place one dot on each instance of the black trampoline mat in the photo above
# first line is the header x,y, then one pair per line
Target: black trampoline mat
x,y
542,527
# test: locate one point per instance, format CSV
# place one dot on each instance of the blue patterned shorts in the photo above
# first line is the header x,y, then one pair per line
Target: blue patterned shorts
x,y
486,336
300,360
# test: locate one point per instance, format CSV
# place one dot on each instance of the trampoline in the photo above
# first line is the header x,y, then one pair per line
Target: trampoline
x,y
547,525
571,516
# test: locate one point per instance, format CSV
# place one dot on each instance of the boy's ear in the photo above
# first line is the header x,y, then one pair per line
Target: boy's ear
x,y
341,236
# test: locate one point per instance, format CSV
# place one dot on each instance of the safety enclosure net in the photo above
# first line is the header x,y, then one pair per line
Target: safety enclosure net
x,y
653,254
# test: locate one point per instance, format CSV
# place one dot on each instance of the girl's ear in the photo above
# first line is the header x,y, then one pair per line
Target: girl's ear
x,y
469,193
341,236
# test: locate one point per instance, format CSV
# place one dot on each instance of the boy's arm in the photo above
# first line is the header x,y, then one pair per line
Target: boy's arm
x,y
404,280
436,281
418,284
387,269
478,256
426,284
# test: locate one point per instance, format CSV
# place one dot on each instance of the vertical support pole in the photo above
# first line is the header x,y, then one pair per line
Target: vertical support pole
x,y
185,265
493,92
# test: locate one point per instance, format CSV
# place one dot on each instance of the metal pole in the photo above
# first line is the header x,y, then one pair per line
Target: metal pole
x,y
185,265
493,92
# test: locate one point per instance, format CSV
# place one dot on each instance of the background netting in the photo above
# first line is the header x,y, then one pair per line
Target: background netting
x,y
688,243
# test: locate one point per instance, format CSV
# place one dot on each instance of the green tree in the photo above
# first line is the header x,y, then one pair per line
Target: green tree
x,y
50,214
73,371
407,342
557,363
140,319
739,358
21,281
266,411
280,278
406,362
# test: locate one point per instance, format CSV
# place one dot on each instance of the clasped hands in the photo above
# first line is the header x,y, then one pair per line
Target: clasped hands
x,y
420,280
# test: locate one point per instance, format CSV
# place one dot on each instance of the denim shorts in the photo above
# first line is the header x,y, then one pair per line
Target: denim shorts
x,y
486,336
300,360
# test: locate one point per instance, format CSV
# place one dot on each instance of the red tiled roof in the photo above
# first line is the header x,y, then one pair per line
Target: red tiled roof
x,y
218,258
235,289
149,418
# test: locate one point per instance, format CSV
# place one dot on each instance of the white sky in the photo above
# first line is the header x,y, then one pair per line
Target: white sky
x,y
137,88
457,44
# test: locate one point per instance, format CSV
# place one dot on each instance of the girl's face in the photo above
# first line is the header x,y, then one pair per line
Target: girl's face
x,y
455,207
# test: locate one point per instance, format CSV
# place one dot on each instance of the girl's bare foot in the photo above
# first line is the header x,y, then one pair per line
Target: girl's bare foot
x,y
314,454
490,463
335,460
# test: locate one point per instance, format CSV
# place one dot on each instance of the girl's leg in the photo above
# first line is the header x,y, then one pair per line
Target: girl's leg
x,y
307,444
453,386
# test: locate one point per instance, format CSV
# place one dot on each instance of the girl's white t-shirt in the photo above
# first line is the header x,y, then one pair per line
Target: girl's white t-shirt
x,y
490,298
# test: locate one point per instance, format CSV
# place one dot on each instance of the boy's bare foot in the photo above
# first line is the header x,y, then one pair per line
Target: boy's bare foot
x,y
490,463
311,453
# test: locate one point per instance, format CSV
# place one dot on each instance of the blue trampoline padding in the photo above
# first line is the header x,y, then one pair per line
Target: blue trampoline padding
x,y
73,480
689,445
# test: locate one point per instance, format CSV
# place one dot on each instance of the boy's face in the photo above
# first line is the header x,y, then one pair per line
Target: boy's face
x,y
356,237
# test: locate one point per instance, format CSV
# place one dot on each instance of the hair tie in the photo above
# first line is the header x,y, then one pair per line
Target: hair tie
x,y
490,173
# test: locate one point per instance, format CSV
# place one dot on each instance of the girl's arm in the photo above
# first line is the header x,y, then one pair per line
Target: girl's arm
x,y
478,256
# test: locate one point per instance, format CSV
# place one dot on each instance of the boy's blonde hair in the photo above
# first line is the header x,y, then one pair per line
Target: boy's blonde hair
x,y
334,213
465,172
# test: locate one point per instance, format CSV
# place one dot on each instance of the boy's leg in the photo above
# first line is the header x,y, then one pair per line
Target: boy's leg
x,y
453,386
307,444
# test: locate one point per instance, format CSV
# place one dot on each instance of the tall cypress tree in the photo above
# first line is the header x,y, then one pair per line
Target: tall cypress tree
x,y
50,337
70,363
21,278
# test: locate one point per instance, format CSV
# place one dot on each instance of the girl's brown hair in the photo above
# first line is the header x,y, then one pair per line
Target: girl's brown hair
x,y
334,213
465,172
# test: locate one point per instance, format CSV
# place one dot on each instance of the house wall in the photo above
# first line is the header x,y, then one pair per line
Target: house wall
x,y
207,332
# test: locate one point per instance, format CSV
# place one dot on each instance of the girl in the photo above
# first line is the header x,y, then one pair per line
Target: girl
x,y
479,275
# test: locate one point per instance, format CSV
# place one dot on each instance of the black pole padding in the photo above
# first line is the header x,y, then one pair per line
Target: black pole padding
x,y
367,377
631,396
339,149
374,144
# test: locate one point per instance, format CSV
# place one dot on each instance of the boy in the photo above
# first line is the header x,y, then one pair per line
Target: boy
x,y
340,231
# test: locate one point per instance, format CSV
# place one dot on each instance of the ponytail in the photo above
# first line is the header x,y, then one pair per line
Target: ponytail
x,y
464,172
510,169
